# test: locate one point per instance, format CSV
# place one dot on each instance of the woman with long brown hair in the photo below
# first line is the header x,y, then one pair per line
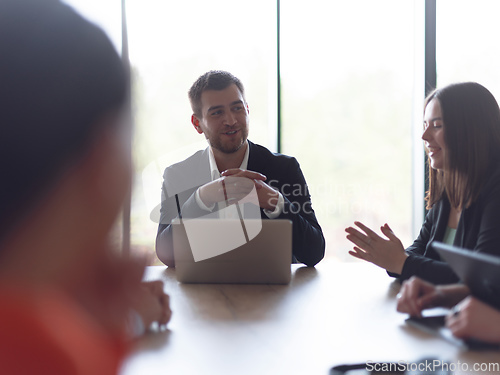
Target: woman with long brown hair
x,y
462,138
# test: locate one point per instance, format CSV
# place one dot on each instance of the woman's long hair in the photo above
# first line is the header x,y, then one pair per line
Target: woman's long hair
x,y
471,119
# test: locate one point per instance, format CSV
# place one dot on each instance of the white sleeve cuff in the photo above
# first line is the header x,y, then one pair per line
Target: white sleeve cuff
x,y
278,209
136,325
200,202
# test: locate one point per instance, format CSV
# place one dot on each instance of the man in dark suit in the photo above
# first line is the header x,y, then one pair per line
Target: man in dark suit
x,y
230,169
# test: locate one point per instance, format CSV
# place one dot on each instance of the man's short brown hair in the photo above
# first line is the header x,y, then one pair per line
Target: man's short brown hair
x,y
212,80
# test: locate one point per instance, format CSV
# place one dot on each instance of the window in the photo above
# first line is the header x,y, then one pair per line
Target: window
x,y
466,43
106,14
347,89
351,92
171,45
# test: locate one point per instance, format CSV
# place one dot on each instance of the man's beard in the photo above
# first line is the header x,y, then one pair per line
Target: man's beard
x,y
229,148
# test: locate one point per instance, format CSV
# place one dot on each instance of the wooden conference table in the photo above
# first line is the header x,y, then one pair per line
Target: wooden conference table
x,y
336,313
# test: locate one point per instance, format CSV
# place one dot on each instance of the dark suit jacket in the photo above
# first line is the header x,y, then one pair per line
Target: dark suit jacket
x,y
478,230
283,173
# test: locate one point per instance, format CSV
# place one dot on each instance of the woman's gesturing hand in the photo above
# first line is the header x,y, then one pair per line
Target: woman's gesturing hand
x,y
386,253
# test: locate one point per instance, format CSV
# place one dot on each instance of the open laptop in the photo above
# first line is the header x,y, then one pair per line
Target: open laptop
x,y
481,273
233,251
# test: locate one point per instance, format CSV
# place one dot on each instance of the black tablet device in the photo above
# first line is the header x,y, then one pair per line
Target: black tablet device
x,y
480,272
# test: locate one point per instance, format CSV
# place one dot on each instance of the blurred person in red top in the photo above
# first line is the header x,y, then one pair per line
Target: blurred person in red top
x,y
65,296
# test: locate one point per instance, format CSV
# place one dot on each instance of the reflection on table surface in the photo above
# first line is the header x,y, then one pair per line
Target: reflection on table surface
x,y
333,314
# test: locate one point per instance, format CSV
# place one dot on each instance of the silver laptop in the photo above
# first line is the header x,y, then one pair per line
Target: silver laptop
x,y
232,251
